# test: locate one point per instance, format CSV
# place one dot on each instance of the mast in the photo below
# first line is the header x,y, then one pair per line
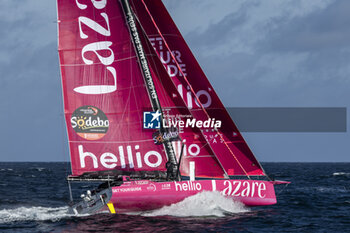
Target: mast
x,y
172,165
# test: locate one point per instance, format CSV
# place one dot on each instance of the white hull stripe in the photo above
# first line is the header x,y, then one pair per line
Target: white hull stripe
x,y
213,184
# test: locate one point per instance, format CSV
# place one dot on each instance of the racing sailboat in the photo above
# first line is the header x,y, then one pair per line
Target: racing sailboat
x,y
143,120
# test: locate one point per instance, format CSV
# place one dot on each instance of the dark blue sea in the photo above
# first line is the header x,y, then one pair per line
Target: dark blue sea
x,y
34,197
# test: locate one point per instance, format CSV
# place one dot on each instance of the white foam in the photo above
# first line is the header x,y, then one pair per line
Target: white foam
x,y
6,169
341,174
33,214
202,204
339,189
39,168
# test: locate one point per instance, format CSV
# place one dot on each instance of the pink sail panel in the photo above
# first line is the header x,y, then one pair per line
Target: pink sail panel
x,y
229,146
196,148
103,89
226,144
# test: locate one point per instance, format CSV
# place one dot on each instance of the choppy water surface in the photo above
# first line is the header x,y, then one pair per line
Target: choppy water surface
x,y
33,198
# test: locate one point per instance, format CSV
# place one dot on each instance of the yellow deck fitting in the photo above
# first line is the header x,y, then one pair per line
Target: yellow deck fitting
x,y
111,207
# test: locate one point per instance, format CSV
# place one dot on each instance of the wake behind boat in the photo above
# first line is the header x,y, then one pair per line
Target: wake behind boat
x,y
142,118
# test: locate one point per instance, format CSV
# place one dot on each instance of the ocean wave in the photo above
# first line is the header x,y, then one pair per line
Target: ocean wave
x,y
341,174
339,189
323,189
202,204
6,169
33,214
39,169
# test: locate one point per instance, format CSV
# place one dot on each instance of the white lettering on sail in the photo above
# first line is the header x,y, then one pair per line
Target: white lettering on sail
x,y
81,6
73,121
166,58
95,47
138,157
173,70
155,153
121,154
131,160
109,160
99,4
194,150
98,48
206,101
191,150
99,89
94,26
83,155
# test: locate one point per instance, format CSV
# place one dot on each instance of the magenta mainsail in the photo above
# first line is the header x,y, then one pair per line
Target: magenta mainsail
x,y
227,144
104,92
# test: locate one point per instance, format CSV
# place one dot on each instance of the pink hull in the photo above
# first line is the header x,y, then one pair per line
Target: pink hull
x,y
148,195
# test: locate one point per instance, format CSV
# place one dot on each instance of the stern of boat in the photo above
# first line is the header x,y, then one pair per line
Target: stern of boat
x,y
91,202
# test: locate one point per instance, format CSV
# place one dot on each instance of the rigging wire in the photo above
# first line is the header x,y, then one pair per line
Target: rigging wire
x,y
285,186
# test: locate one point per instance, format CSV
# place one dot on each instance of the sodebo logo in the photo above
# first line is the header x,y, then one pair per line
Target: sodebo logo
x,y
89,122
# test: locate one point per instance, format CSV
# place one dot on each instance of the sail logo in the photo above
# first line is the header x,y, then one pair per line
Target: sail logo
x,y
191,98
169,135
175,69
89,122
151,120
192,123
166,57
109,160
